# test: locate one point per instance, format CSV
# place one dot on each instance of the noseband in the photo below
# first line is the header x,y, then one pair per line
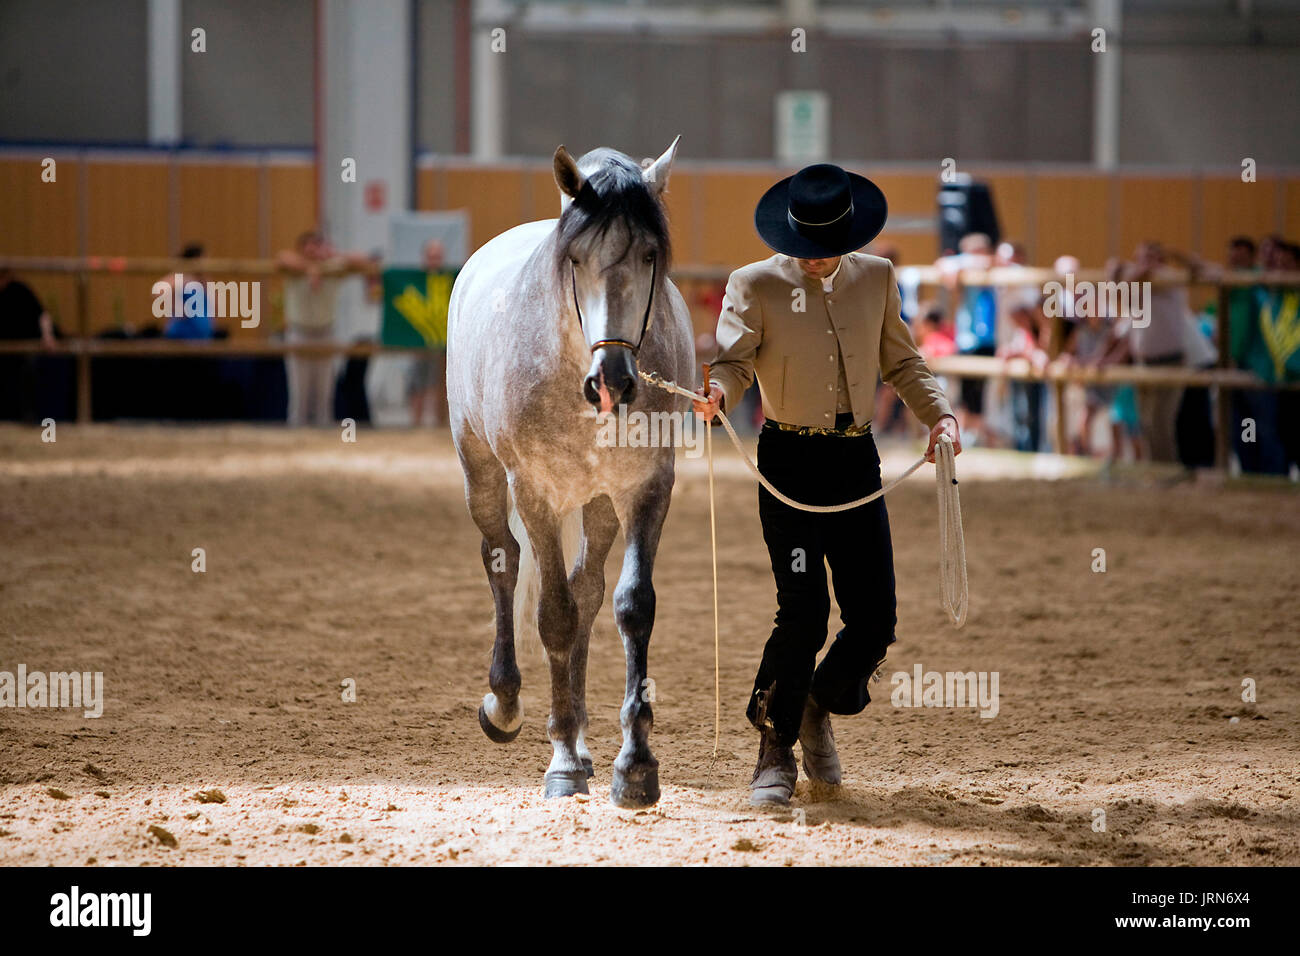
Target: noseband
x,y
645,320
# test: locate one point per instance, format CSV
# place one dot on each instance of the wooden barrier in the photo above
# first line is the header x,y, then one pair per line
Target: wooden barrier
x,y
1224,379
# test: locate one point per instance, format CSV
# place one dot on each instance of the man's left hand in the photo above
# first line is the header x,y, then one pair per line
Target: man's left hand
x,y
945,426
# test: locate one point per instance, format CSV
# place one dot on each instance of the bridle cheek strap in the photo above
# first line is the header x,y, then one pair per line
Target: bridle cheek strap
x,y
645,319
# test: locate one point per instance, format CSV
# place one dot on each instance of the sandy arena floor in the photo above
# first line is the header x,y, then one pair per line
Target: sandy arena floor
x,y
328,561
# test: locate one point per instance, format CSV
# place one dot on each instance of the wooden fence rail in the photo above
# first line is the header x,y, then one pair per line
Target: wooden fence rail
x,y
1223,379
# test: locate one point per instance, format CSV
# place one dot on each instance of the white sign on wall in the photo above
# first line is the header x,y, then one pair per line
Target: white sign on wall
x,y
803,126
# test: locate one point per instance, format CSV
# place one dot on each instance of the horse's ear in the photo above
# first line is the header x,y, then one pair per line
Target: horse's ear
x,y
656,174
567,176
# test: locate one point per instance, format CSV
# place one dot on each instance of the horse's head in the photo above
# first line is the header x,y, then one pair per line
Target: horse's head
x,y
612,255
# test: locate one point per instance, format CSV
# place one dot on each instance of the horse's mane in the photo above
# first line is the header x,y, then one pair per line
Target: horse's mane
x,y
615,192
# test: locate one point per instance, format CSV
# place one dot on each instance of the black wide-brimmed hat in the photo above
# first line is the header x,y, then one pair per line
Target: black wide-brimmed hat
x,y
819,212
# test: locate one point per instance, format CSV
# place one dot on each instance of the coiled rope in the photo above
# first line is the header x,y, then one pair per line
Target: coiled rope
x,y
954,595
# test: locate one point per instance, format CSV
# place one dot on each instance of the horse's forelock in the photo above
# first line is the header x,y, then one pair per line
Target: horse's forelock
x,y
614,192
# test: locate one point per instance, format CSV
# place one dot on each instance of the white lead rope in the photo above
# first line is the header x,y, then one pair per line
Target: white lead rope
x,y
953,588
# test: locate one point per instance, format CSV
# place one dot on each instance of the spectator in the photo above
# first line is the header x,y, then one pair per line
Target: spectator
x,y
309,300
1026,345
932,338
976,320
22,319
1088,346
195,319
427,385
1265,339
1158,342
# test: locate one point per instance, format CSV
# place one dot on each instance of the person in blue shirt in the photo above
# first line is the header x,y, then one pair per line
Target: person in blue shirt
x,y
976,322
195,320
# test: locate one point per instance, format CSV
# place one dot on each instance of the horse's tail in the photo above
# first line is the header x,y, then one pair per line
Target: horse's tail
x,y
528,586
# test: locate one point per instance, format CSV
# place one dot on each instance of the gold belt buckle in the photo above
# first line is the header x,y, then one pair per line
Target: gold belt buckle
x,y
853,431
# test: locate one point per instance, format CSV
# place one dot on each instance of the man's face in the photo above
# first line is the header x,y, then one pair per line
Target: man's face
x,y
434,255
818,268
1150,255
1240,256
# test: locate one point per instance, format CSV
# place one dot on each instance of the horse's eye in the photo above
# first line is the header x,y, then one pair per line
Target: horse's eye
x,y
573,260
649,258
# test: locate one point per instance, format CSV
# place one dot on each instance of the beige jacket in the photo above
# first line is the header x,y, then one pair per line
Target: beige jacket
x,y
793,342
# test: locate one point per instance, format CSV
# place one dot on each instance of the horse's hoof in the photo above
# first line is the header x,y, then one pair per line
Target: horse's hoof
x,y
635,789
588,766
495,733
565,783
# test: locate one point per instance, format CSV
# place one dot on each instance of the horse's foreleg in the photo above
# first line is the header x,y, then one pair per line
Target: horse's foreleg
x,y
635,781
500,715
587,581
557,625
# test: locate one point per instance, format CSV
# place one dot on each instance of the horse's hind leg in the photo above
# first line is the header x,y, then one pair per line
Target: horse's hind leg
x,y
635,781
587,581
486,490
557,625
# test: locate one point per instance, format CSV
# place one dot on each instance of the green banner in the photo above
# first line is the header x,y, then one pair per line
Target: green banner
x,y
415,307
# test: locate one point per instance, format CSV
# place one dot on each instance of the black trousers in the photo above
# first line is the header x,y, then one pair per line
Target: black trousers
x,y
822,470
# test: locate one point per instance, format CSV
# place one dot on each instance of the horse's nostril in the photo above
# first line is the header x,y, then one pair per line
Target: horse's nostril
x,y
590,391
629,391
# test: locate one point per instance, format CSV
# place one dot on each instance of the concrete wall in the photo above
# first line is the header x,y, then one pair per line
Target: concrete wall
x,y
253,86
75,71
1210,105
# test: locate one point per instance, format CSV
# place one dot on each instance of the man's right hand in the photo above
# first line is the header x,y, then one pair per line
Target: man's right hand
x,y
707,408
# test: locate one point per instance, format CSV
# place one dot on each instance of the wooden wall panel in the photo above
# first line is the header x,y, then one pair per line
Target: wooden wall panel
x,y
724,207
291,190
680,199
127,209
914,248
424,189
541,197
122,300
1230,207
40,218
1291,210
1011,198
219,206
1071,217
494,198
1154,207
911,194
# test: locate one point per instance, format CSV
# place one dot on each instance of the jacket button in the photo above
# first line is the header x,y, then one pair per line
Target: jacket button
x,y
830,388
830,358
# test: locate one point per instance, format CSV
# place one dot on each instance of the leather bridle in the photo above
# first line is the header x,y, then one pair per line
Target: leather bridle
x,y
645,320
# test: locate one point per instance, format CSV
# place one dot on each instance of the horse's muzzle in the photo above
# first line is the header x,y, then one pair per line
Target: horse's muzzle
x,y
612,379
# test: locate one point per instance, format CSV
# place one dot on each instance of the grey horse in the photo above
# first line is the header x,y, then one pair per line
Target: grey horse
x,y
549,323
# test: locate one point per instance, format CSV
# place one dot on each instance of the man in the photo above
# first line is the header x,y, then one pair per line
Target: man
x,y
310,296
22,318
817,324
427,385
1158,342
